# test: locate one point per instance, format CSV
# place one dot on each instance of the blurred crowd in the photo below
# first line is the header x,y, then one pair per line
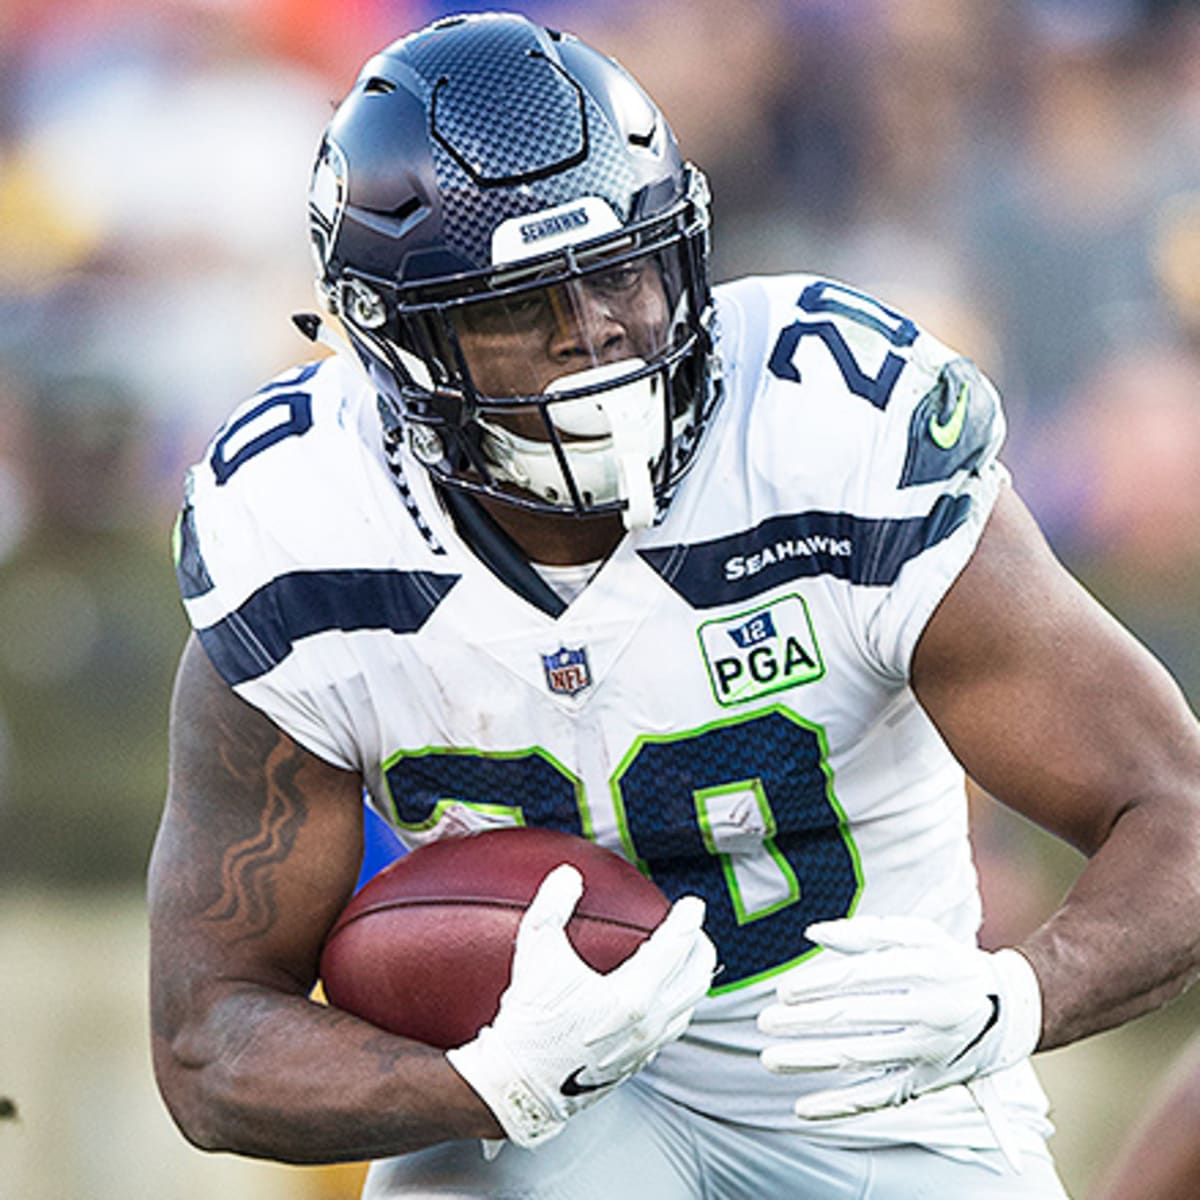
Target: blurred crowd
x,y
1022,177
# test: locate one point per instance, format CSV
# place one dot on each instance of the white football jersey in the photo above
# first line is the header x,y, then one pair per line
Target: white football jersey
x,y
726,703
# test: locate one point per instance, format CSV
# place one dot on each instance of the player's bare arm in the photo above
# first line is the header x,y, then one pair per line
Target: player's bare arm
x,y
1061,714
257,853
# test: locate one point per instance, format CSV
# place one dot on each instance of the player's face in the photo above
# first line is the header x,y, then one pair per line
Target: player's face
x,y
516,345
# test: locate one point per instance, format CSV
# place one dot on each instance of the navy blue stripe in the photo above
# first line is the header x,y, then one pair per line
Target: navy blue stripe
x,y
864,550
262,632
190,570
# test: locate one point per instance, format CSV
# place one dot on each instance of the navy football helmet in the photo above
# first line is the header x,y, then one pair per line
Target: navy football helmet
x,y
501,220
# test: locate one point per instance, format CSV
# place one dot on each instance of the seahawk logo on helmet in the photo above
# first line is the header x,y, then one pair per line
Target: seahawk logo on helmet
x,y
491,189
326,202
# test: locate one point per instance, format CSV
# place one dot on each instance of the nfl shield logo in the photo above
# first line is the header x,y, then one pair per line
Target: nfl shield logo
x,y
567,671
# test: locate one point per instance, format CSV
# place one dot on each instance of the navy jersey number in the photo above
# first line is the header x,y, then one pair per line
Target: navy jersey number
x,y
827,300
741,812
285,411
518,787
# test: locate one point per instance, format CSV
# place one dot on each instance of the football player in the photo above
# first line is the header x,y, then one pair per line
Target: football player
x,y
730,580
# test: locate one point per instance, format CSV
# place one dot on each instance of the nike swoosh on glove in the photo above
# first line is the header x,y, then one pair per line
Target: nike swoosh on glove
x,y
566,1035
900,1001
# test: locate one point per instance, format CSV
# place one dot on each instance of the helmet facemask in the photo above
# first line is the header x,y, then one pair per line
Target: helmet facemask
x,y
574,381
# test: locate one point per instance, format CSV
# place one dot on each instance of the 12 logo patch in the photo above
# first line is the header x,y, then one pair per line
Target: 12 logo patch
x,y
761,651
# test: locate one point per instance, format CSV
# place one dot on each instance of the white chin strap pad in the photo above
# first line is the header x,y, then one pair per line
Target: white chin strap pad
x,y
624,417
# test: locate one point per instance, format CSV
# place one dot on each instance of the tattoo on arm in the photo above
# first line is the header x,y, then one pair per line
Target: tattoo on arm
x,y
259,845
247,895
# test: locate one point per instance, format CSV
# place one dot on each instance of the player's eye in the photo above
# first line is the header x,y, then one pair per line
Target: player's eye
x,y
623,278
527,308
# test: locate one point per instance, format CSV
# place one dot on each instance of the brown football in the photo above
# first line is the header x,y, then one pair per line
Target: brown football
x,y
425,948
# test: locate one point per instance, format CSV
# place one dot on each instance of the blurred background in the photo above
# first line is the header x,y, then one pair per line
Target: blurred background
x,y
1024,178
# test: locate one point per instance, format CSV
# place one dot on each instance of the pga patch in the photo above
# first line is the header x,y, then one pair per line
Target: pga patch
x,y
567,671
761,651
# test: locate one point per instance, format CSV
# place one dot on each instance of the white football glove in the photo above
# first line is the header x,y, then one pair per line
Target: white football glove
x,y
898,999
565,1034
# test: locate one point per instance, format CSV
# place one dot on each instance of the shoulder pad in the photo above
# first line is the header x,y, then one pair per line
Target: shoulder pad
x,y
953,426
